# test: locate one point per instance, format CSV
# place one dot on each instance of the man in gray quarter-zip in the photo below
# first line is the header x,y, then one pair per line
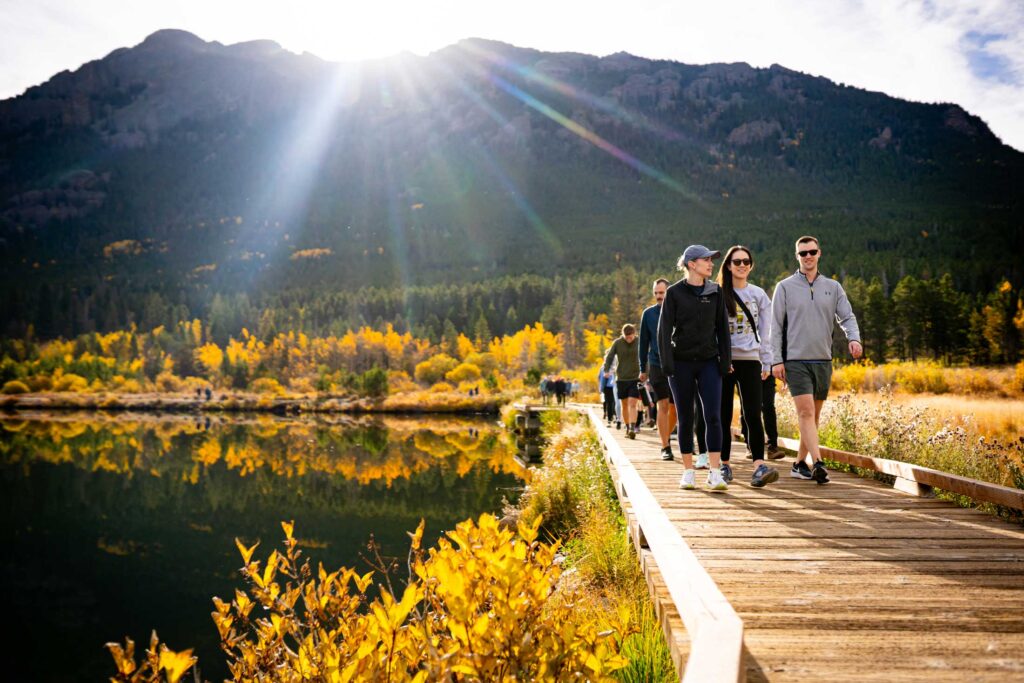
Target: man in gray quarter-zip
x,y
805,308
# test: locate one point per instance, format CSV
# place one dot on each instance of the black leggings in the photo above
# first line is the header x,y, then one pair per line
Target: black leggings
x,y
707,379
746,376
609,404
771,427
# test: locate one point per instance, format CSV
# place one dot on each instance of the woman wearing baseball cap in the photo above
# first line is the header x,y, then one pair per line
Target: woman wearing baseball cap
x,y
694,345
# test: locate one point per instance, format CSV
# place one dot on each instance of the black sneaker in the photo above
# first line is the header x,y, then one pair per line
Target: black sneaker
x,y
800,470
820,474
630,433
618,424
726,472
763,476
666,453
773,452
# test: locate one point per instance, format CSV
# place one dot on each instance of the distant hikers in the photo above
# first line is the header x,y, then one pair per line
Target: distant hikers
x,y
805,308
650,368
749,312
694,348
625,351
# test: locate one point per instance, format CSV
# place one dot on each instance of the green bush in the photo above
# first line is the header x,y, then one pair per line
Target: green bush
x,y
374,382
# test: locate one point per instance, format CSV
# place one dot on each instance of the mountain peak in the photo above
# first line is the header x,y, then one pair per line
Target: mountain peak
x,y
173,38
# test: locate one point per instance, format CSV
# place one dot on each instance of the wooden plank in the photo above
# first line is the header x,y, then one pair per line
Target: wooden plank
x,y
827,579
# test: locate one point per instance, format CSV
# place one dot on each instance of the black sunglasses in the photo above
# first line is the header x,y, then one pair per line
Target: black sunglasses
x,y
742,262
809,252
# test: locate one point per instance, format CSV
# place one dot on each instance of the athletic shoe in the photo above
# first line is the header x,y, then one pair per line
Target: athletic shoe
x,y
820,474
652,424
666,453
689,480
715,482
630,433
773,452
702,462
763,476
618,424
726,471
800,470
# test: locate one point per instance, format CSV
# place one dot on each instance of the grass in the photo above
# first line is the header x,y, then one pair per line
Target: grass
x,y
929,377
574,493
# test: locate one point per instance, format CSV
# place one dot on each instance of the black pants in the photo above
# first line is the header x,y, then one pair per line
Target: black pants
x,y
746,377
771,425
699,425
609,403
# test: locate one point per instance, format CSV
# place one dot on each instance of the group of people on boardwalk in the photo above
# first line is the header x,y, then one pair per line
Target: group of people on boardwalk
x,y
558,388
704,339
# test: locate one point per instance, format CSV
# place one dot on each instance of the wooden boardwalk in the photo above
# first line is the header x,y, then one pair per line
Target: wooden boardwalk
x,y
853,581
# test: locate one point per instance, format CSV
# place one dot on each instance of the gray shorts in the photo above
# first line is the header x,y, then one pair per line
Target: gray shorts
x,y
809,378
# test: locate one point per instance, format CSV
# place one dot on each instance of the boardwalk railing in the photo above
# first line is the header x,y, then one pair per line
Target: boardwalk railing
x,y
713,626
920,481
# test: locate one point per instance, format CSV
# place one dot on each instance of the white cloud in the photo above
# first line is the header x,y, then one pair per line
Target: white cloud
x,y
914,49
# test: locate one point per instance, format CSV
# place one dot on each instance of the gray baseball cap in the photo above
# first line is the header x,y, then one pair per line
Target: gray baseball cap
x,y
696,251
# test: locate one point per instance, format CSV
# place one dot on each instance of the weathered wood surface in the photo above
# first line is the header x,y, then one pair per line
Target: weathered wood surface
x,y
852,581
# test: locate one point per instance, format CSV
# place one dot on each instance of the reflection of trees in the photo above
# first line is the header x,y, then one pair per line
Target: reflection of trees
x,y
382,452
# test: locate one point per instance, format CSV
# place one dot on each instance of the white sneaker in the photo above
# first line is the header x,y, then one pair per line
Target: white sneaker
x,y
703,461
689,480
716,482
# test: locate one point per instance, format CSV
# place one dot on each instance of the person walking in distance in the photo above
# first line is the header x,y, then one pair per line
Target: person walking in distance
x,y
805,308
650,368
694,345
625,349
749,313
606,385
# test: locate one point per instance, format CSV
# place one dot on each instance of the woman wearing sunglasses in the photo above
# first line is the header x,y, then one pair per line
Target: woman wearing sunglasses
x,y
750,314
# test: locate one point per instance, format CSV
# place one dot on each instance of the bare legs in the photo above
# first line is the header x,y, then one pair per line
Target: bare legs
x,y
666,420
808,413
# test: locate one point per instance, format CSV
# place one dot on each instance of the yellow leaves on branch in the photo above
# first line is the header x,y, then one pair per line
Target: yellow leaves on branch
x,y
485,604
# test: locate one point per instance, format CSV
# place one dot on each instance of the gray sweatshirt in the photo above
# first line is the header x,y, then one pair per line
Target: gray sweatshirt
x,y
804,316
745,345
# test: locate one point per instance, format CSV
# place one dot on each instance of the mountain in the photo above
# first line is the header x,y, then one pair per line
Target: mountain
x,y
143,186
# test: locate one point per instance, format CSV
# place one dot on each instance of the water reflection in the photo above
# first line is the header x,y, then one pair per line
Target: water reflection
x,y
116,524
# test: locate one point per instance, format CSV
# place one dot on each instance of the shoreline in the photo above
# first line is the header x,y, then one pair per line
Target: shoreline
x,y
406,403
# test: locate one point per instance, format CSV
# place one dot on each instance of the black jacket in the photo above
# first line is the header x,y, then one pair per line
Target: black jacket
x,y
694,328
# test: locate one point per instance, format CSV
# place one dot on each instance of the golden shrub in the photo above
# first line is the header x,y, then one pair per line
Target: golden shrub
x,y
15,387
463,372
267,385
168,381
71,382
486,604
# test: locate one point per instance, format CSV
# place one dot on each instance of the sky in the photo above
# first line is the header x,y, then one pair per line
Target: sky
x,y
970,52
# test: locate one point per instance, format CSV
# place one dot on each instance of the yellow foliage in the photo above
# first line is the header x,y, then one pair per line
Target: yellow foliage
x,y
167,381
310,253
70,382
14,387
464,372
434,368
209,356
486,604
267,385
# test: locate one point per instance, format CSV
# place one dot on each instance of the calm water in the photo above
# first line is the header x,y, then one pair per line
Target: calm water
x,y
117,525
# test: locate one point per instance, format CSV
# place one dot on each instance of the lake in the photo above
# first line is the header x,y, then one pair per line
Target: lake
x,y
117,524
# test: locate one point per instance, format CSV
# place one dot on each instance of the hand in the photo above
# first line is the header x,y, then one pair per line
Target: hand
x,y
764,375
731,369
856,350
643,377
780,372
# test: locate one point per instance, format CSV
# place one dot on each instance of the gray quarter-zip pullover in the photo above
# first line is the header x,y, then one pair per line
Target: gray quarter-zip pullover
x,y
804,316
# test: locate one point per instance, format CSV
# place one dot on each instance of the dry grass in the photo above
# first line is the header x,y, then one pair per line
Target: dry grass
x,y
928,377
